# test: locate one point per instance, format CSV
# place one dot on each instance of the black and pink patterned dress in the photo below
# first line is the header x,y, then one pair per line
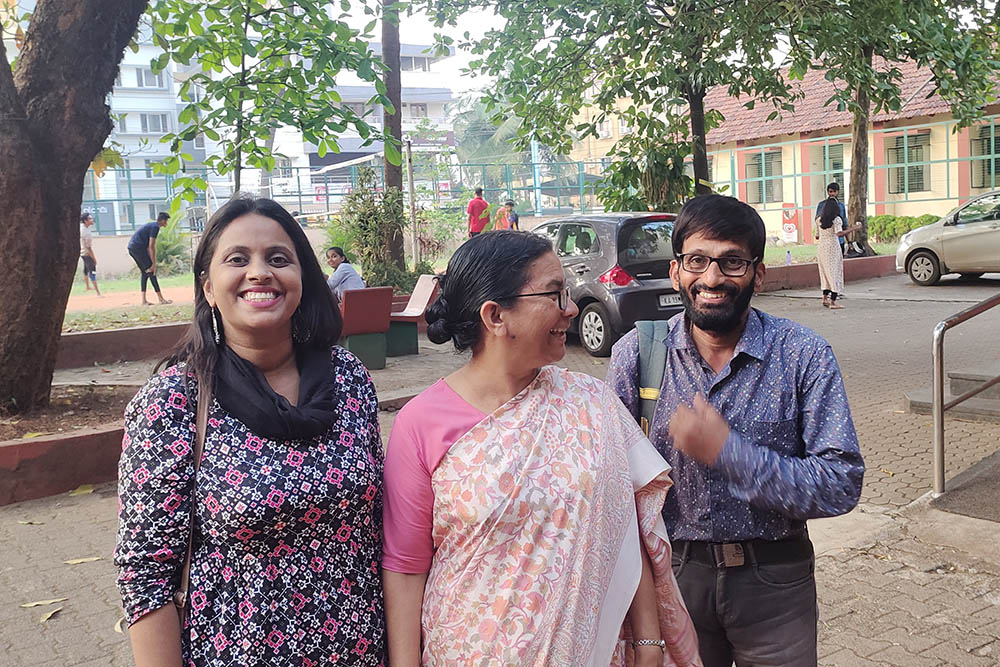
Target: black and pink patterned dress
x,y
287,550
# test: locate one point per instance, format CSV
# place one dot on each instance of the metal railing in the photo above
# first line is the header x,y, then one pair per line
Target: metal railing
x,y
938,406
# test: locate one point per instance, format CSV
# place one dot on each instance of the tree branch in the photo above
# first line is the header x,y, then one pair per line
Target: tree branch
x,y
10,103
63,75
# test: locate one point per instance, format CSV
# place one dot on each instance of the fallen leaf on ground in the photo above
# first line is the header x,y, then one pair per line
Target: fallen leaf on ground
x,y
33,434
42,603
82,490
887,472
50,614
77,561
105,370
118,626
31,523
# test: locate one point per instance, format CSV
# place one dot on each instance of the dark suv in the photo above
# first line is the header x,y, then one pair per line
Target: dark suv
x,y
617,267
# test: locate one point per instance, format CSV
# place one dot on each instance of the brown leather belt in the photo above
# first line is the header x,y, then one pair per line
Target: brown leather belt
x,y
736,554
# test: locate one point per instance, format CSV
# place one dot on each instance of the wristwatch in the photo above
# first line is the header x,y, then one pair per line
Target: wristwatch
x,y
650,642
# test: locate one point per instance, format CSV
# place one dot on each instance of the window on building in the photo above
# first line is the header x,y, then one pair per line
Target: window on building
x,y
904,151
418,111
986,147
359,108
199,141
767,168
833,164
118,79
146,79
283,167
154,123
623,127
604,129
153,212
148,164
120,122
415,64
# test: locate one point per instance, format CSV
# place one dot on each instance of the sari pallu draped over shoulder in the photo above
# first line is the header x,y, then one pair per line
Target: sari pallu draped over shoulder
x,y
537,518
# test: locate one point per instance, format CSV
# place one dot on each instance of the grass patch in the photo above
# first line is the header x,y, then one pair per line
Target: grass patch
x,y
131,283
806,254
132,316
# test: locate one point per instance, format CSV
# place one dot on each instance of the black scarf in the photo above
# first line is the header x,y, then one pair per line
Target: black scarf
x,y
243,392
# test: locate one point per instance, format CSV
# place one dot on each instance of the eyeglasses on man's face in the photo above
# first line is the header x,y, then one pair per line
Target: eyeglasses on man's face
x,y
734,267
562,296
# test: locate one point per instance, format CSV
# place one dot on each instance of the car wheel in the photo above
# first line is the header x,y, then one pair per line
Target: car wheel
x,y
971,276
595,330
924,268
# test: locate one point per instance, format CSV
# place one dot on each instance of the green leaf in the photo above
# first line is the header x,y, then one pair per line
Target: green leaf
x,y
392,154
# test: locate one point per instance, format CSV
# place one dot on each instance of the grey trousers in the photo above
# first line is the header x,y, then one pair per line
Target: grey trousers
x,y
758,615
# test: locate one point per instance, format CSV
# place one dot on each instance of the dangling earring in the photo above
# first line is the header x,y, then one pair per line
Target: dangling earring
x,y
297,335
215,327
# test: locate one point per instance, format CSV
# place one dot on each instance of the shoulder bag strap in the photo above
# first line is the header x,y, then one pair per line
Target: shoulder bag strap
x,y
180,597
652,365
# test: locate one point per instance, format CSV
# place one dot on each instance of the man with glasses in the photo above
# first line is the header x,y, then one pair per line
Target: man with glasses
x,y
752,416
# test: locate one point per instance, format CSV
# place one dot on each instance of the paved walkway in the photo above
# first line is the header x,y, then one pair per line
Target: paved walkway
x,y
899,583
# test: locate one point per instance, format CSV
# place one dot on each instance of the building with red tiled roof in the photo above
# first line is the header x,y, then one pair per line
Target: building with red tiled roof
x,y
918,162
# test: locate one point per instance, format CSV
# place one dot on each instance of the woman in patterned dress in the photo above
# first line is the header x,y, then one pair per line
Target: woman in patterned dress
x,y
522,517
829,256
286,547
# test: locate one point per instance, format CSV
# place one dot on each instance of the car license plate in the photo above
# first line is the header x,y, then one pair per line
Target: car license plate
x,y
667,300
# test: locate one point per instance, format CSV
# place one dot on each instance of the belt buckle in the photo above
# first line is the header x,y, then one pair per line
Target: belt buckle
x,y
732,555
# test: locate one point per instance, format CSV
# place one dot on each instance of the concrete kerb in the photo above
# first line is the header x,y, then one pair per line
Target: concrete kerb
x,y
46,466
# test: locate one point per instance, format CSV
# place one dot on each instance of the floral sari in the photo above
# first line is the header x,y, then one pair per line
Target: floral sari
x,y
538,512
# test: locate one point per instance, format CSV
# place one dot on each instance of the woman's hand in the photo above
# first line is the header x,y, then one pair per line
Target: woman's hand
x,y
648,656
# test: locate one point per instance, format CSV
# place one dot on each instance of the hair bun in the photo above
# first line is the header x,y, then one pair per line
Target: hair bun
x,y
439,328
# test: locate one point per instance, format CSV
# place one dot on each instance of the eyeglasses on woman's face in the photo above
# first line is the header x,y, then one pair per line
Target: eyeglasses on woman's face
x,y
734,267
562,296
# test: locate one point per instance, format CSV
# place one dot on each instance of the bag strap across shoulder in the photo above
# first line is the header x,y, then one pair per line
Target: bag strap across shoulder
x,y
652,365
201,426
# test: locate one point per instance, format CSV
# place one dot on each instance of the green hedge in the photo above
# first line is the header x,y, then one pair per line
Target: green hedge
x,y
888,228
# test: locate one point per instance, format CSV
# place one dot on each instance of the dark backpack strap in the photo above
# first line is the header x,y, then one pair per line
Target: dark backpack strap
x,y
652,365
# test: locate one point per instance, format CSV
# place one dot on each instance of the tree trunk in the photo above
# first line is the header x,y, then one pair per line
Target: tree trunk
x,y
393,126
54,119
699,142
857,201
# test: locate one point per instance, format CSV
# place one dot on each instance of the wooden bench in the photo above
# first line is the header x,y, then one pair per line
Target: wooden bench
x,y
366,323
403,325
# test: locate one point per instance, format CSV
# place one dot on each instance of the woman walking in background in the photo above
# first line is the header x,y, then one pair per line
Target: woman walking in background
x,y
280,513
522,512
829,257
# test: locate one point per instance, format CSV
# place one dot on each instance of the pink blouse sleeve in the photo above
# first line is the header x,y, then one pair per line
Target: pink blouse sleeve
x,y
421,435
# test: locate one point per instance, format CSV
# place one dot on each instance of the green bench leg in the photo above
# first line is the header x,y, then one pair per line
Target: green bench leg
x,y
369,348
402,339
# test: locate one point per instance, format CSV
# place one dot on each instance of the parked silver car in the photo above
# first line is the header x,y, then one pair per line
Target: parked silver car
x,y
966,241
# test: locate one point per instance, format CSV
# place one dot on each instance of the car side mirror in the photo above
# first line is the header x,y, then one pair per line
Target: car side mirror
x,y
952,221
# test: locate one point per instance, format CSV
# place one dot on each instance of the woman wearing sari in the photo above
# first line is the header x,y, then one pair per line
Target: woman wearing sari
x,y
522,502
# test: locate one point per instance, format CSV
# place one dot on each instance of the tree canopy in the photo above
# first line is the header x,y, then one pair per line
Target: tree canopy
x,y
249,66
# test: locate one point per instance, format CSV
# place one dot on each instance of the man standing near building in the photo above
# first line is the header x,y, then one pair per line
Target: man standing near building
x,y
142,248
752,415
833,190
87,252
513,219
479,213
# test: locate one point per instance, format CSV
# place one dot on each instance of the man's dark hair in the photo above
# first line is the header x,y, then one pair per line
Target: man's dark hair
x,y
479,192
84,216
509,202
722,219
833,185
488,267
163,216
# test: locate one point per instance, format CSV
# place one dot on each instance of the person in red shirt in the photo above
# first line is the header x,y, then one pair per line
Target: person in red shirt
x,y
479,213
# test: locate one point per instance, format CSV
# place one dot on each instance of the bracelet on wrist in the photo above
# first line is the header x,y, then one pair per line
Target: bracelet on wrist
x,y
661,644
